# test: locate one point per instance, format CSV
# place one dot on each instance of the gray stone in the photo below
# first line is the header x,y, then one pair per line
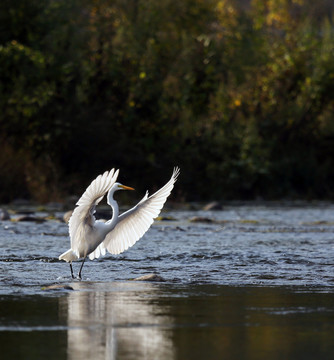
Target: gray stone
x,y
57,287
30,218
4,214
150,277
201,219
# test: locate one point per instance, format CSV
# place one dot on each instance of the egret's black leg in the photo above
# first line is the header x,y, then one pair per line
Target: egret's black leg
x,y
83,261
73,277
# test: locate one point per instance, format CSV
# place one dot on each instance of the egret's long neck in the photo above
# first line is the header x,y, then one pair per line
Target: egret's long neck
x,y
115,211
109,225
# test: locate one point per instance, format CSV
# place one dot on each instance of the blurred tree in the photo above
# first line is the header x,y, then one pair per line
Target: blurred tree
x,y
240,91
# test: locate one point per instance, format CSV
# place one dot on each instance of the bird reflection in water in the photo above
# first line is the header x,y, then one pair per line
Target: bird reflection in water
x,y
111,320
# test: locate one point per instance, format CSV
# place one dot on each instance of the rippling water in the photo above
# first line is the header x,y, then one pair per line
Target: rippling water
x,y
240,246
246,282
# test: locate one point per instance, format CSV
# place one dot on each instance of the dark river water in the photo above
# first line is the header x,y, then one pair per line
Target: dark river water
x,y
247,282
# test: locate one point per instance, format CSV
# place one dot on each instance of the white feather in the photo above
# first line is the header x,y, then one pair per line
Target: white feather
x,y
82,220
134,223
91,238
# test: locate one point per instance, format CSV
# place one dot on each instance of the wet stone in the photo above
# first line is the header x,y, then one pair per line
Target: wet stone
x,y
4,214
58,287
166,218
201,219
30,218
150,277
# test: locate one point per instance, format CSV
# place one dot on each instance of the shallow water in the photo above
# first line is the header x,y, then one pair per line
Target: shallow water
x,y
135,320
256,282
242,246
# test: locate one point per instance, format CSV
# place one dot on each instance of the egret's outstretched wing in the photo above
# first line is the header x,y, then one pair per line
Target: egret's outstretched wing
x,y
100,250
83,214
134,223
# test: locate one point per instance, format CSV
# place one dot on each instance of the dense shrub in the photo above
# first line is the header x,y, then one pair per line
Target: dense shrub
x,y
239,94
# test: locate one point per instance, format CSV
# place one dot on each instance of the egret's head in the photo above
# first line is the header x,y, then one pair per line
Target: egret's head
x,y
119,186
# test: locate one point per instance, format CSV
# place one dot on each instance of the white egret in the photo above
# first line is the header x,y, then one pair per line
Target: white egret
x,y
91,237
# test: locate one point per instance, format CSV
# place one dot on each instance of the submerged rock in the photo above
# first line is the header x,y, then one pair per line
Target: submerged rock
x,y
150,277
201,219
57,287
4,214
165,218
30,218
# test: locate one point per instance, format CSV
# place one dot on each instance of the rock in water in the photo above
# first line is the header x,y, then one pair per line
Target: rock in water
x,y
57,287
150,277
200,219
4,214
30,218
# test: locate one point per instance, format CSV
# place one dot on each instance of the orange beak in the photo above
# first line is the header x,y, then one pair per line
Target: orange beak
x,y
126,187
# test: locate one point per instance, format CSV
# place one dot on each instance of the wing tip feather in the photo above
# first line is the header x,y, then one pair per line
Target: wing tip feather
x,y
101,184
176,172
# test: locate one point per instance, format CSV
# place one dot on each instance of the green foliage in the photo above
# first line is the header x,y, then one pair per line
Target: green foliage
x,y
238,94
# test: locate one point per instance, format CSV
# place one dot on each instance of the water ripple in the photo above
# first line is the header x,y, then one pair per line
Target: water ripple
x,y
241,246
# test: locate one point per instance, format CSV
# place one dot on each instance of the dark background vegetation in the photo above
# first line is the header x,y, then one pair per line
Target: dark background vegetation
x,y
239,94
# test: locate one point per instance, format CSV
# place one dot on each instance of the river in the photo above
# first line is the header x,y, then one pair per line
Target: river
x,y
247,282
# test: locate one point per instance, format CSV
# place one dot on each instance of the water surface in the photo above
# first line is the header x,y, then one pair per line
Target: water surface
x,y
162,321
256,282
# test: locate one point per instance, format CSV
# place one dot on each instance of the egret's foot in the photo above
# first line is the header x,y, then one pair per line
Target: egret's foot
x,y
73,277
77,278
79,274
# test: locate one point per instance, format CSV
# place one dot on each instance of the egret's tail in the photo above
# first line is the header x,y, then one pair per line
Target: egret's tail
x,y
68,256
